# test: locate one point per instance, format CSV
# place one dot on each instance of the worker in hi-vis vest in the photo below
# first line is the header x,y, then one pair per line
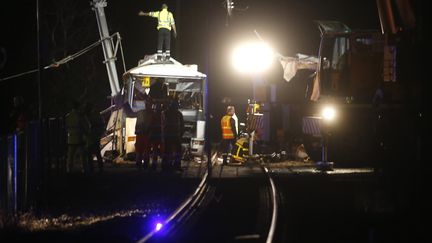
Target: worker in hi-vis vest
x,y
229,133
165,24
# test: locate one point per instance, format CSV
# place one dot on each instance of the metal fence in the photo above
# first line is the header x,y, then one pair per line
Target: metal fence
x,y
28,161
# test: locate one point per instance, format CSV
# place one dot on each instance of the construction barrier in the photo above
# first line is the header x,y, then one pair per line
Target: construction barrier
x,y
255,122
312,125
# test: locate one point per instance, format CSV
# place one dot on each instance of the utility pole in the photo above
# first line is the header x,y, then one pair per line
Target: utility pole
x,y
107,45
207,145
39,73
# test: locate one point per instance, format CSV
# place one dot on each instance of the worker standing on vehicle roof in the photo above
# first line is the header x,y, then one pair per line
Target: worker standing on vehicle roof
x,y
229,133
165,24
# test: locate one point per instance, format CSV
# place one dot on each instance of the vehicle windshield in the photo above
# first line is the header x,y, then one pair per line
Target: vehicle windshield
x,y
188,92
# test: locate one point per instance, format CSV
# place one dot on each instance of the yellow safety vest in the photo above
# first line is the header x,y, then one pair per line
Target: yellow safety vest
x,y
165,18
226,127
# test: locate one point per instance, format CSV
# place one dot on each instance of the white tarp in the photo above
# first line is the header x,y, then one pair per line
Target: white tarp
x,y
290,66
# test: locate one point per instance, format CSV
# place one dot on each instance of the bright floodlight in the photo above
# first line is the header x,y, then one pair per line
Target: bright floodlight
x,y
328,113
252,57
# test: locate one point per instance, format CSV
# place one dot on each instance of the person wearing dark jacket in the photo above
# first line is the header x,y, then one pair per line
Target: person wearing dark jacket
x,y
156,136
142,131
19,116
173,128
158,90
92,134
74,123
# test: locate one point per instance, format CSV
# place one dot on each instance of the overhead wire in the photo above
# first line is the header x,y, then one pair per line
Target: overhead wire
x,y
71,57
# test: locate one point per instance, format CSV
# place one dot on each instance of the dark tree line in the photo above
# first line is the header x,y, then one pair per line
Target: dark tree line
x,y
67,27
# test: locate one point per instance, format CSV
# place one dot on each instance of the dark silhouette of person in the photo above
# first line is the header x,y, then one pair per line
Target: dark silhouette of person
x,y
173,127
156,136
378,97
142,132
75,126
158,90
94,129
19,116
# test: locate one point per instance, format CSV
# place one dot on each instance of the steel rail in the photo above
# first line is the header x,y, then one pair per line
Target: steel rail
x,y
193,201
272,228
187,205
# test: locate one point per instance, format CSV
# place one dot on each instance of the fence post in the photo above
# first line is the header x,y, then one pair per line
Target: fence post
x,y
34,163
62,145
55,145
21,171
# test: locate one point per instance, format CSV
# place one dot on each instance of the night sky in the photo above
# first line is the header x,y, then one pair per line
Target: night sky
x,y
388,136
204,39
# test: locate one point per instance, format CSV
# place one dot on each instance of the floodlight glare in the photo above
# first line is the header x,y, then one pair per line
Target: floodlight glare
x,y
328,113
252,57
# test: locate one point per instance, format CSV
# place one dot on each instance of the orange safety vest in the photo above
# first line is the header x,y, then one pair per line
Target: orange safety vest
x,y
226,127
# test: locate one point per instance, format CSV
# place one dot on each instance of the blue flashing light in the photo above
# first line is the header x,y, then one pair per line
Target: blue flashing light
x,y
15,170
158,226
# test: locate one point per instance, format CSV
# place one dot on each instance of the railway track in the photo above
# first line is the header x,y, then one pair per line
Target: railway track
x,y
225,207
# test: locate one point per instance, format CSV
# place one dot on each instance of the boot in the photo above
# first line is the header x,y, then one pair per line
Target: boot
x,y
225,160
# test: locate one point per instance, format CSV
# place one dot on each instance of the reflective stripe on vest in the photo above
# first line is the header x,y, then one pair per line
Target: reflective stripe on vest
x,y
165,18
226,128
